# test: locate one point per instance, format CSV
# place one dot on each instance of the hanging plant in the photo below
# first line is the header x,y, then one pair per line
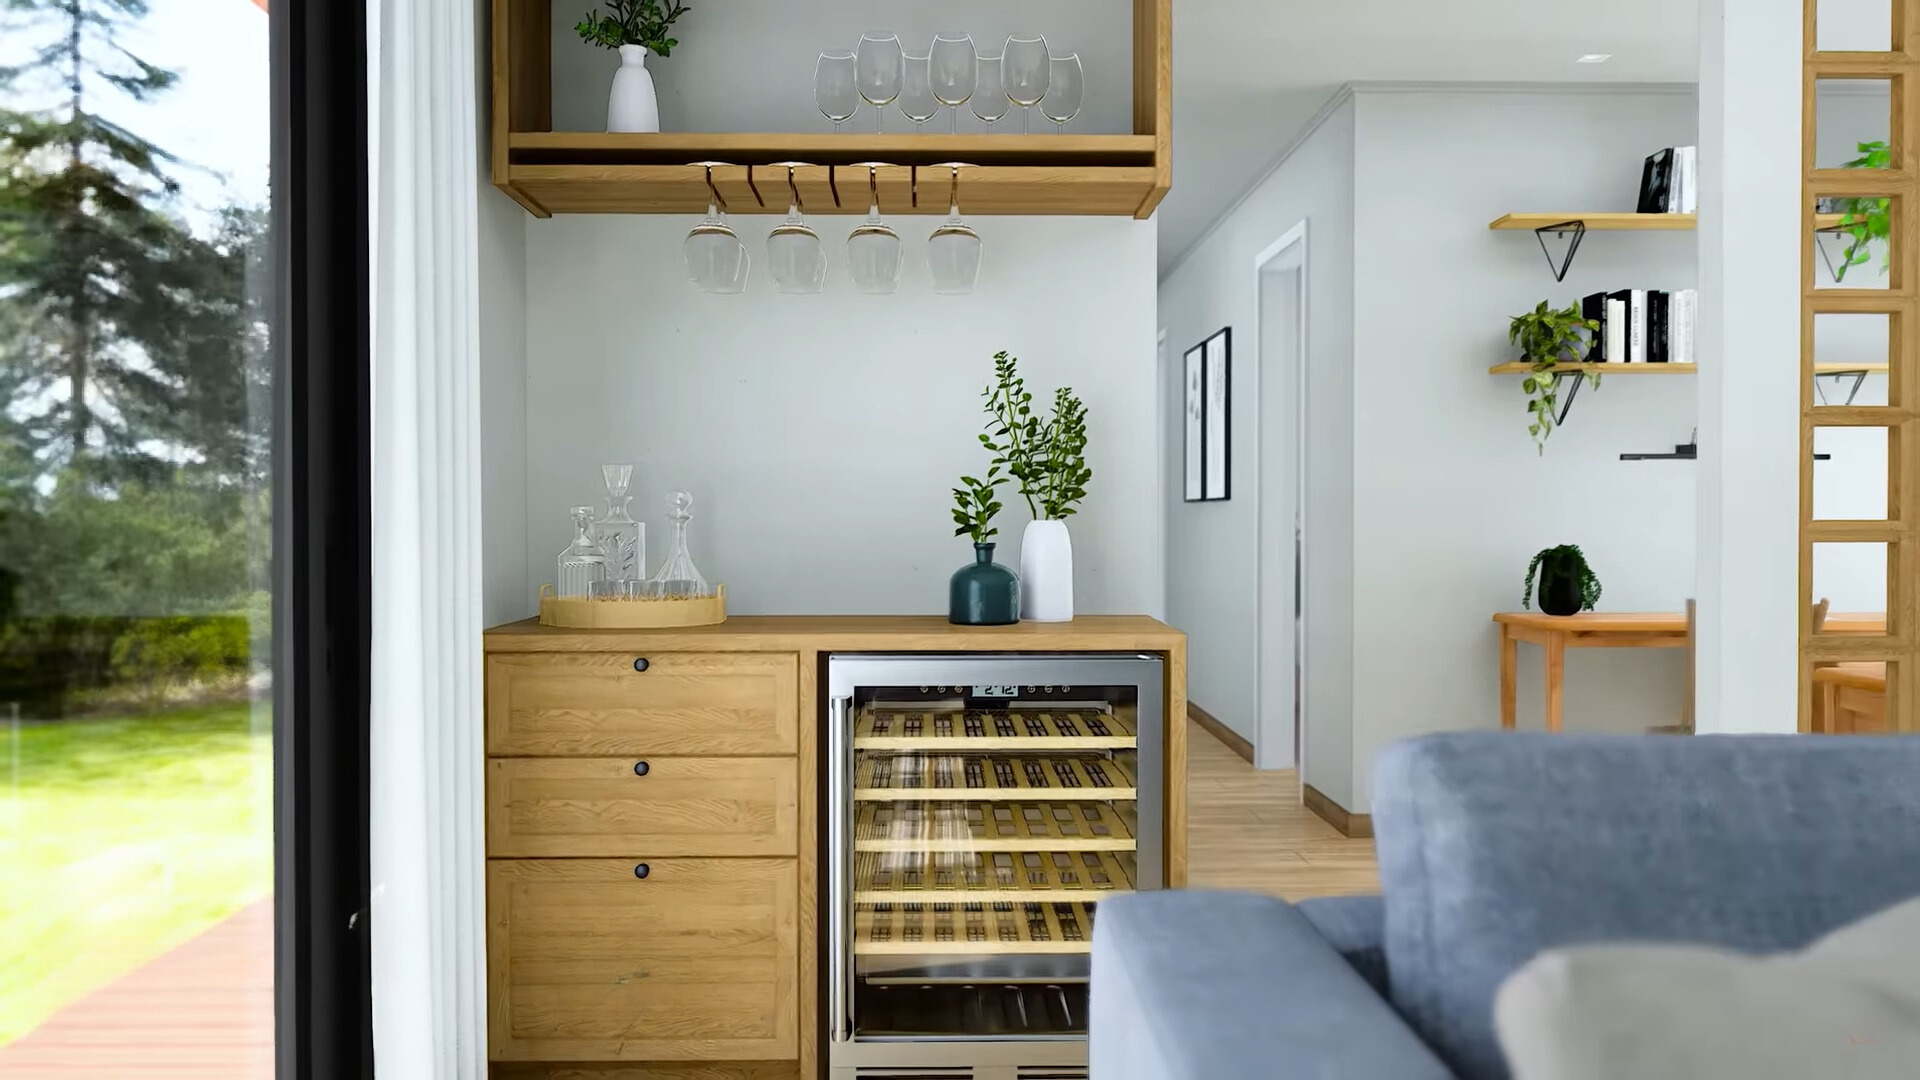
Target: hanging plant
x,y
1547,337
1864,219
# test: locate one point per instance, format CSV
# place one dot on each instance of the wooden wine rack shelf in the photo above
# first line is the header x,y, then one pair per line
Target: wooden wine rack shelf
x,y
993,729
898,877
1010,826
998,928
990,777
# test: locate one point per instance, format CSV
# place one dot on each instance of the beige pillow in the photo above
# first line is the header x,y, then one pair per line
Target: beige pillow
x,y
1846,1008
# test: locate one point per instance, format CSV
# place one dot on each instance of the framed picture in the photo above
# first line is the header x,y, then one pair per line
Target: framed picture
x,y
1196,423
1218,475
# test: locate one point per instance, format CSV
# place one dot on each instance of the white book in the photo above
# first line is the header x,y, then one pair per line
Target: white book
x,y
1691,311
1614,348
1689,179
1637,339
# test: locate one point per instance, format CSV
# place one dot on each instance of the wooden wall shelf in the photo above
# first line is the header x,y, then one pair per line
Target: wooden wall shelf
x,y
560,172
1518,368
1596,221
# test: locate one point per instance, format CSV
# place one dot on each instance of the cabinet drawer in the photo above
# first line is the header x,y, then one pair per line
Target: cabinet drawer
x,y
642,806
602,705
697,961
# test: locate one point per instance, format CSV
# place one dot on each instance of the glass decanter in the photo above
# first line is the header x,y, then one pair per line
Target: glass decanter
x,y
678,578
624,539
583,562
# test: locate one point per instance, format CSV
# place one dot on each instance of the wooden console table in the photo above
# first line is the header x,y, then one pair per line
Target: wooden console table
x,y
1605,630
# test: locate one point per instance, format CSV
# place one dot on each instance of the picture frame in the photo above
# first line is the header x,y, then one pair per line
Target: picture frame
x,y
1208,398
1194,399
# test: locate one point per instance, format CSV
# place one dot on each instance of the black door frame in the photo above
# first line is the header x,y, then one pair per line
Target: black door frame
x,y
322,547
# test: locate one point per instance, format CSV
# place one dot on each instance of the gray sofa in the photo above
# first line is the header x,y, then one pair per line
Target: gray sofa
x,y
1492,848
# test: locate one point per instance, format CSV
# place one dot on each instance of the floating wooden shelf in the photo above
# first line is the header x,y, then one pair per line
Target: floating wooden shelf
x,y
908,877
973,777
992,729
966,928
1595,220
1010,826
558,172
1517,368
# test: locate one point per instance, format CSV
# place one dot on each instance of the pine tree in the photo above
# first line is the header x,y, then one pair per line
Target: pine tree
x,y
127,340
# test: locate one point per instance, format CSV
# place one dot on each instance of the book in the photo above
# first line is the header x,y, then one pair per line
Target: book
x,y
1687,170
1594,306
1637,330
1656,179
1659,343
1686,319
1613,329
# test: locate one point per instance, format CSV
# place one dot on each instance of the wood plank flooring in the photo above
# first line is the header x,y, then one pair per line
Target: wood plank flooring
x,y
1247,830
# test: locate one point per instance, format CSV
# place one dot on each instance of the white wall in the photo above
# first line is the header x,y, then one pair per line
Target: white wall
x,y
1212,550
503,377
821,435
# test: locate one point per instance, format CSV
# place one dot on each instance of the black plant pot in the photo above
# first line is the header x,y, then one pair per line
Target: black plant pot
x,y
1560,593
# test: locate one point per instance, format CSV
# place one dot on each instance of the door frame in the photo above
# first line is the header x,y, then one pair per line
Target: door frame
x,y
1278,744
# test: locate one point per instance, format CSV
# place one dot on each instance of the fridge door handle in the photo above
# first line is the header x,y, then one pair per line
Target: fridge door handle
x,y
839,834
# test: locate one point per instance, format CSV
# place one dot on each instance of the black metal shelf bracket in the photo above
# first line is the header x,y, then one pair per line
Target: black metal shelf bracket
x,y
1575,229
1859,377
1566,405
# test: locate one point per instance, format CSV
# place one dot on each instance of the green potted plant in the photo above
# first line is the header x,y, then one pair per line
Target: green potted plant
x,y
635,28
1548,337
1864,219
982,593
1047,456
1567,583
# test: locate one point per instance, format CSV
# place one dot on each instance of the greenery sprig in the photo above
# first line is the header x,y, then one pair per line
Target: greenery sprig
x,y
976,504
1865,219
633,22
1547,337
1064,473
1558,561
1047,458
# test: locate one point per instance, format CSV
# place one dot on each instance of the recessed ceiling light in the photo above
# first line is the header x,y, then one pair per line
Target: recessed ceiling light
x,y
1595,58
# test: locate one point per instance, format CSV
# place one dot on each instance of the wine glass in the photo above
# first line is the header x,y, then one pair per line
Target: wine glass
x,y
1066,86
953,251
989,101
916,93
880,66
795,256
717,260
953,71
835,90
873,249
1025,69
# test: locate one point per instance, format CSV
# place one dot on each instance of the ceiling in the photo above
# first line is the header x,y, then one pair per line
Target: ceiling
x,y
1247,74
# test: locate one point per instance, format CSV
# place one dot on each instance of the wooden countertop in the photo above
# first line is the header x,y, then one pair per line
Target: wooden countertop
x,y
850,633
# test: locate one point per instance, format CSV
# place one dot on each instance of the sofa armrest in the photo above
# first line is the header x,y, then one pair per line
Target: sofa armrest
x,y
1218,986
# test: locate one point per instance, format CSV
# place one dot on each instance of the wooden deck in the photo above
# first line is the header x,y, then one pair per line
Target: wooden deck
x,y
201,1012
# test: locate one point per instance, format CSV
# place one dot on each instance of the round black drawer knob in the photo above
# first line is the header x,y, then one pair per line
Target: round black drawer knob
x,y
641,768
641,870
639,663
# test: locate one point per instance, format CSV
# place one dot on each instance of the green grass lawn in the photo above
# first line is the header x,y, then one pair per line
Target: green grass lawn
x,y
120,839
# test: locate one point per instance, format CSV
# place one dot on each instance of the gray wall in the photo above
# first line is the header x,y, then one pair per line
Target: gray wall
x,y
1212,548
503,377
821,435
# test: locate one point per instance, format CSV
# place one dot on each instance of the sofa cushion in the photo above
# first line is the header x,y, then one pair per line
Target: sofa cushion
x,y
1496,846
1848,1008
1354,926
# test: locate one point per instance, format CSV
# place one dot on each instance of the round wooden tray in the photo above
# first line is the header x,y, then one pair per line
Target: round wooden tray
x,y
632,614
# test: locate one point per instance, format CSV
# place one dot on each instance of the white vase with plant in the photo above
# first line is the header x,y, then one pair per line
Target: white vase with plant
x,y
1048,459
637,28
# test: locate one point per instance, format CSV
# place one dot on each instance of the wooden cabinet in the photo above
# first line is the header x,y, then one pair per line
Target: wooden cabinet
x,y
698,959
605,704
642,807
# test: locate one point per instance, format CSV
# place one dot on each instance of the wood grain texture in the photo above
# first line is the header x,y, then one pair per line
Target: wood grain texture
x,y
595,704
1607,368
708,807
1228,737
684,1070
521,75
985,190
854,633
698,961
1153,93
810,862
1351,825
1659,622
820,148
1175,837
1601,221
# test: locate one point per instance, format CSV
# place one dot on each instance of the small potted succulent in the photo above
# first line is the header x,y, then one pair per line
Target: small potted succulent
x,y
636,28
1567,584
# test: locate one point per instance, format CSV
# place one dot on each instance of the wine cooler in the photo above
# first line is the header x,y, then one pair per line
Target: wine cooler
x,y
979,809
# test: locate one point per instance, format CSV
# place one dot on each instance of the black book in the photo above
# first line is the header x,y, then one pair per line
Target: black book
x,y
1659,307
1594,306
1656,179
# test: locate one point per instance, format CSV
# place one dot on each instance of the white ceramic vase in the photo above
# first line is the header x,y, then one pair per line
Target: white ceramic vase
x,y
633,105
1046,572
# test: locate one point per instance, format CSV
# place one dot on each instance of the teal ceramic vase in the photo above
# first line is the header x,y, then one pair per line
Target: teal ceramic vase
x,y
983,593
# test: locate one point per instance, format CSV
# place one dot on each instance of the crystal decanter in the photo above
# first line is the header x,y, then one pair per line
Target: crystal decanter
x,y
678,578
624,539
583,562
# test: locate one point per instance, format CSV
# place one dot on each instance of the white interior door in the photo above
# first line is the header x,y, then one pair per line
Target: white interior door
x,y
1281,276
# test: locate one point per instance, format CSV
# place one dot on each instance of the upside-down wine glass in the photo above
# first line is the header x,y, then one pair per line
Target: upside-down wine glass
x,y
1066,86
917,102
1026,68
717,260
953,70
836,90
873,249
880,67
990,102
795,256
953,251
